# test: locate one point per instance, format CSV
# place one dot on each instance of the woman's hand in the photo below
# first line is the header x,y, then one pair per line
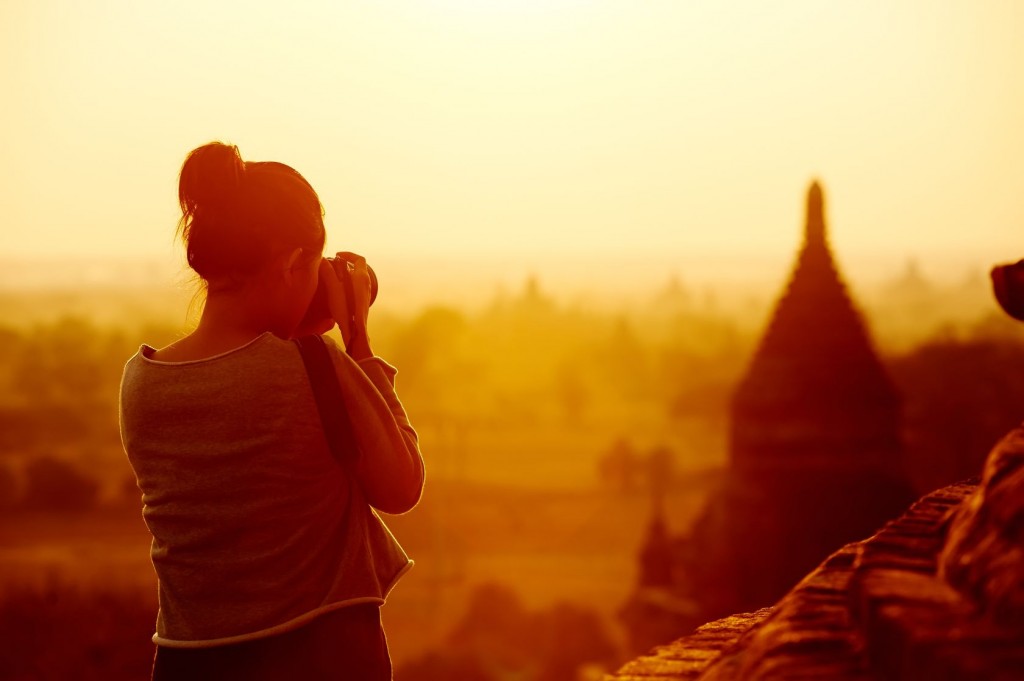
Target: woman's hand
x,y
347,284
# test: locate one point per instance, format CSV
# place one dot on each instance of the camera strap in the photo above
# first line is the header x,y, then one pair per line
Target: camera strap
x,y
329,401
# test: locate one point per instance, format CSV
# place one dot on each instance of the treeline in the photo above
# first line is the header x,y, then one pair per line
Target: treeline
x,y
632,380
60,447
105,633
497,637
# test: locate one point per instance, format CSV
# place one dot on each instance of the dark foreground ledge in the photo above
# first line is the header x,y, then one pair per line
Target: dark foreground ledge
x,y
875,609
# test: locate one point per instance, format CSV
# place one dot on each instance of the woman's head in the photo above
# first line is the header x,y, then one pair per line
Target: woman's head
x,y
251,226
239,216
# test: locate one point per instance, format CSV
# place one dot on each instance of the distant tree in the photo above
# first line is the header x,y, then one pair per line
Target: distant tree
x,y
497,638
10,344
55,485
433,367
706,401
8,486
429,335
444,665
496,627
60,362
624,360
573,636
128,490
104,632
620,466
997,326
660,469
572,393
960,397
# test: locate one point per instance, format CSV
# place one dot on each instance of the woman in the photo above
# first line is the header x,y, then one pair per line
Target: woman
x,y
271,562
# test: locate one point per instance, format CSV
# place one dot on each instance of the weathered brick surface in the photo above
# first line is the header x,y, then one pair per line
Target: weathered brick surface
x,y
691,655
983,555
874,610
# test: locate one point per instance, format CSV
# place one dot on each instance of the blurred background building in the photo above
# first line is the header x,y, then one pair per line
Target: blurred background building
x,y
815,461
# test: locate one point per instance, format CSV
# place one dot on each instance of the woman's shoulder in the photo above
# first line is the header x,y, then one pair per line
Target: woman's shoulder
x,y
265,356
194,351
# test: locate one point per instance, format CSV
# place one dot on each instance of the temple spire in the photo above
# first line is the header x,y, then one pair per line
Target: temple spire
x,y
815,393
814,231
656,558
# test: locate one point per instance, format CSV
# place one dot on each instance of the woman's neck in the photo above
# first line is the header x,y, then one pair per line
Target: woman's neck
x,y
228,321
234,315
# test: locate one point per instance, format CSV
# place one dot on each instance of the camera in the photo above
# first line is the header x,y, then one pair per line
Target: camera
x,y
318,309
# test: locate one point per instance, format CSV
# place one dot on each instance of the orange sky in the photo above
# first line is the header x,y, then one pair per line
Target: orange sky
x,y
669,130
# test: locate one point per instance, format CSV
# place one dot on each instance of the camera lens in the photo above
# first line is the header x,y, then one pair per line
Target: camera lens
x,y
373,284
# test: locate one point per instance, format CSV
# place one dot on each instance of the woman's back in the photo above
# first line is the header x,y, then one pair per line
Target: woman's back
x,y
256,527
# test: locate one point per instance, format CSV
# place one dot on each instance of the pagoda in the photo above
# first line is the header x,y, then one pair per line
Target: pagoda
x,y
815,457
815,396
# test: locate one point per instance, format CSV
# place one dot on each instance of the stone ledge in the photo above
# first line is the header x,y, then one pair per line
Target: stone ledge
x,y
687,657
914,624
873,610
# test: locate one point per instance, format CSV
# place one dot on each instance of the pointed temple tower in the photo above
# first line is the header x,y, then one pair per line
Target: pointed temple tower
x,y
815,459
656,610
815,397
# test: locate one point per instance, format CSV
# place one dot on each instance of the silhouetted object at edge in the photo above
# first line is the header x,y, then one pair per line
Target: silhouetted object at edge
x,y
1008,287
815,460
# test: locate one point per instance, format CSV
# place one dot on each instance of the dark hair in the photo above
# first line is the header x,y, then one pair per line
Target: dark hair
x,y
237,216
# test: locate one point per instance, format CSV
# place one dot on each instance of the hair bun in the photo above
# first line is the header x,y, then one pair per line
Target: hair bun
x,y
210,178
237,216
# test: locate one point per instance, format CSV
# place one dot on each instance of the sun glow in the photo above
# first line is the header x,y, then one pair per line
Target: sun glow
x,y
527,129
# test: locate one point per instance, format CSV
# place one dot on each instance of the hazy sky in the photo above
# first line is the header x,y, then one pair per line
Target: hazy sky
x,y
669,129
